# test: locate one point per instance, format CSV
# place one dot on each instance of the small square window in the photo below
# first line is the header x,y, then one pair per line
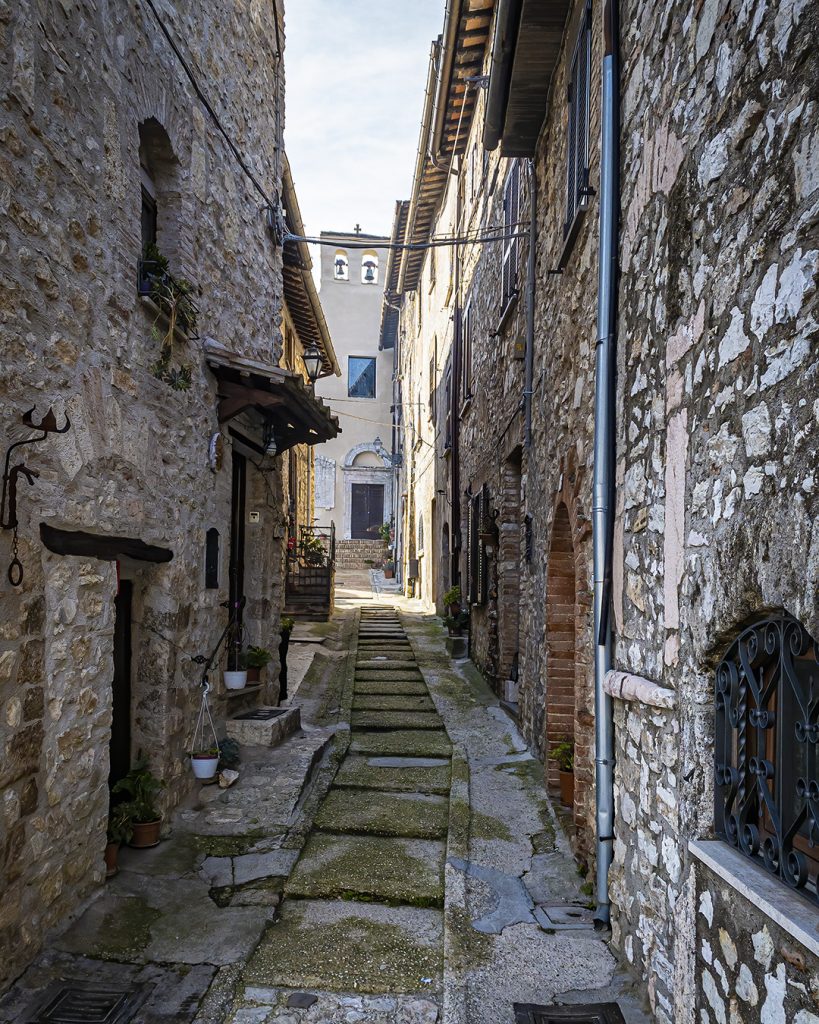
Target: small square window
x,y
361,377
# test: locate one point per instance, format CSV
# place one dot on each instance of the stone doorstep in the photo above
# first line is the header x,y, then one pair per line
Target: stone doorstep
x,y
266,733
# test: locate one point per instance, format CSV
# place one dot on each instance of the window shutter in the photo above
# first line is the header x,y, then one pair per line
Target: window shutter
x,y
483,560
469,561
514,217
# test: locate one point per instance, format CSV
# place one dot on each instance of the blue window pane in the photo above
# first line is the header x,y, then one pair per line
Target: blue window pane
x,y
361,377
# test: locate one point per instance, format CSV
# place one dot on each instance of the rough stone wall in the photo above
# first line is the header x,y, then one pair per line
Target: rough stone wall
x,y
75,335
748,969
717,439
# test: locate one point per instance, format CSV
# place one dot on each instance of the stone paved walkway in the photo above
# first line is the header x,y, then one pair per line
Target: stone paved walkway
x,y
396,862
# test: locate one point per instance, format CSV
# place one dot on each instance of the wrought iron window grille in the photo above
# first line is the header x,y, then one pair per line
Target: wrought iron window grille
x,y
766,750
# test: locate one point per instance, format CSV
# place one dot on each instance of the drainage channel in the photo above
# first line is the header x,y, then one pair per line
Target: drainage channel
x,y
362,909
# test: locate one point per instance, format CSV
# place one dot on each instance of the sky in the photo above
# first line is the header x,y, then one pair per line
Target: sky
x,y
355,77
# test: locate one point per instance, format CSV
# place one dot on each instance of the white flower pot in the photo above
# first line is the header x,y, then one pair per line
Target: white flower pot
x,y
236,680
204,767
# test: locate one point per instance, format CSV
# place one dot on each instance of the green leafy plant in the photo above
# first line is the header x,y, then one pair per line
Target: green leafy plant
x,y
256,657
120,828
286,624
385,532
173,299
456,623
228,753
452,596
562,754
210,751
143,787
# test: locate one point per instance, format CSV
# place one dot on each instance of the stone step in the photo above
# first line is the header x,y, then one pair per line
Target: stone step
x,y
373,812
407,871
380,720
384,685
268,731
395,774
392,702
343,946
384,664
402,742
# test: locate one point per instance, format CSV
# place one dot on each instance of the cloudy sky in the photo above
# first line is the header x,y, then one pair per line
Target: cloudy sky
x,y
355,76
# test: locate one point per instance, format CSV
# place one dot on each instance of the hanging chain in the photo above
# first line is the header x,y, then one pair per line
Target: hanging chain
x,y
15,572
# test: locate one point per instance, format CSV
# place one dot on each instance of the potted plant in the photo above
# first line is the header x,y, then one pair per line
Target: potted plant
x,y
255,659
143,788
488,529
313,551
389,570
286,624
562,754
205,762
385,533
455,623
120,830
452,601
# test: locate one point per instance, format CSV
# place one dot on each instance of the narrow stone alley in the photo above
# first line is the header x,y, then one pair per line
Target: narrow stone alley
x,y
395,861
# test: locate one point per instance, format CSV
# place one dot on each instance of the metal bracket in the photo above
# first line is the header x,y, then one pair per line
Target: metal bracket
x,y
8,503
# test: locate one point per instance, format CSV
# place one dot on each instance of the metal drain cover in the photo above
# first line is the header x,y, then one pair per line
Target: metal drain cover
x,y
81,1005
581,1013
260,715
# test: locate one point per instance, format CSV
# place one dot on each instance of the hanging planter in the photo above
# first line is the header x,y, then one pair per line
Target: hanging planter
x,y
235,679
205,754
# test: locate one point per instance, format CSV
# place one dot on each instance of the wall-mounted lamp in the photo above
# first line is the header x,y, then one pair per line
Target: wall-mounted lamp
x,y
312,363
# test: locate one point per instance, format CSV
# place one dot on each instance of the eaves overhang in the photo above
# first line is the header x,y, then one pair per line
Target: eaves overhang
x,y
390,308
300,293
456,62
272,397
526,48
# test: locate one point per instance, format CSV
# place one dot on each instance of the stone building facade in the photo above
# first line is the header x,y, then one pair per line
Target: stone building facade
x,y
137,525
355,477
715,528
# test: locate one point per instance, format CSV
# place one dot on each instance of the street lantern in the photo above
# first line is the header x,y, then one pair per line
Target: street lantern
x,y
312,363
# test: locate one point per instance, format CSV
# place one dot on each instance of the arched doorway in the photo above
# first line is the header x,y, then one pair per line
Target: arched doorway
x,y
560,640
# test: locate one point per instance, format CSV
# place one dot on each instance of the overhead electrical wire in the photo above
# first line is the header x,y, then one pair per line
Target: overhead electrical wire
x,y
206,103
433,243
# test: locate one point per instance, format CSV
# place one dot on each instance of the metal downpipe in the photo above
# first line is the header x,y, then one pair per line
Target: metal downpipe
x,y
604,438
530,307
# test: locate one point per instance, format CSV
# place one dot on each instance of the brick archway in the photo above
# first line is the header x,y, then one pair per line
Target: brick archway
x,y
561,615
569,687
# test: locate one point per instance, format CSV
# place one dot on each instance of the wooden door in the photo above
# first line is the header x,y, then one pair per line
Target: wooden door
x,y
120,744
367,511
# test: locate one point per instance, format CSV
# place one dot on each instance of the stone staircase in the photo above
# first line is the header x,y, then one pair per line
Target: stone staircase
x,y
359,554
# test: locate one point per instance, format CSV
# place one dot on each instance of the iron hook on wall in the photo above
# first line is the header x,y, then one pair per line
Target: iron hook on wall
x,y
8,504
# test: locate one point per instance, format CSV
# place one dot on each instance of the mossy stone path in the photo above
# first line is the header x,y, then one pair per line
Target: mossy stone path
x,y
361,908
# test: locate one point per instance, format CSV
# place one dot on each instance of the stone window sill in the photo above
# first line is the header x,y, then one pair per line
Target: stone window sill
x,y
792,912
252,688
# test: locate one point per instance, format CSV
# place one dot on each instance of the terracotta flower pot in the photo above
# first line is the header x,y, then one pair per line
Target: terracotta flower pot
x,y
111,853
253,675
146,833
567,788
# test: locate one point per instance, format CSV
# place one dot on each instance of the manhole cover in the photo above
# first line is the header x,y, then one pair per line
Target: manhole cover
x,y
87,1006
260,715
582,1013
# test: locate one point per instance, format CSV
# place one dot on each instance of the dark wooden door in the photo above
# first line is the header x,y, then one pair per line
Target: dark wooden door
x,y
120,746
367,512
237,547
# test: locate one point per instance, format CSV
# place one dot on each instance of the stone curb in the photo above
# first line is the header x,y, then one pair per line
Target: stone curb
x,y
457,847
